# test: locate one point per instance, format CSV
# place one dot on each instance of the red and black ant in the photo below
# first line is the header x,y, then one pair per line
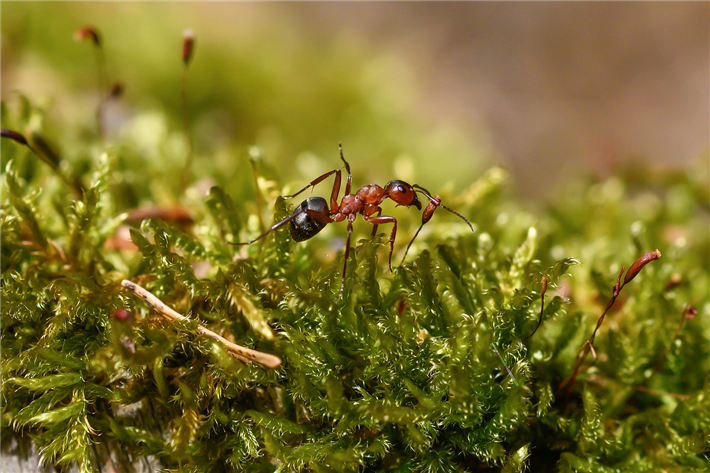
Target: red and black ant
x,y
313,214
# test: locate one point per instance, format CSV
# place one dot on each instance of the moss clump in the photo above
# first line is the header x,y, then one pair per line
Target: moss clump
x,y
424,369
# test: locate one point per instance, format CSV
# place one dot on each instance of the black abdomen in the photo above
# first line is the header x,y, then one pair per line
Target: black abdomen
x,y
305,226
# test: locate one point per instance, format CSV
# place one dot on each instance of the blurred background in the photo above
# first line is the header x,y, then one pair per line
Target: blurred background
x,y
427,92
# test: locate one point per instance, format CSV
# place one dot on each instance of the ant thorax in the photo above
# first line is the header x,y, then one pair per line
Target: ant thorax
x,y
371,194
350,204
366,200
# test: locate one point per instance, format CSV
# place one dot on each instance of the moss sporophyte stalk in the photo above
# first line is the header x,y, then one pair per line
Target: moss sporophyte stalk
x,y
135,334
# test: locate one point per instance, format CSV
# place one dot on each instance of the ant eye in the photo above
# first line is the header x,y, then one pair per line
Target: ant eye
x,y
402,189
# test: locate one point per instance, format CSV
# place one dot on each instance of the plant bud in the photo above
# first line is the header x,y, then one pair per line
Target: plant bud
x,y
88,32
690,312
122,315
673,282
639,264
188,44
115,91
15,136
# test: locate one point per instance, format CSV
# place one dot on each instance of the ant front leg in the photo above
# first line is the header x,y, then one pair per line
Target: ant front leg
x,y
380,219
435,203
426,216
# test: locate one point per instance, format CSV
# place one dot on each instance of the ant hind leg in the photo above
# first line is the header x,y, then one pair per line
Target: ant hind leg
x,y
316,181
273,228
347,254
349,182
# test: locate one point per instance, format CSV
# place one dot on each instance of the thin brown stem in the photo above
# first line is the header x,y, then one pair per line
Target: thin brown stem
x,y
588,346
682,397
51,161
102,74
244,354
186,129
543,290
91,33
188,44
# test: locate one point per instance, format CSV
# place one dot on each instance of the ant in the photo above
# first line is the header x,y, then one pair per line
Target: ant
x,y
313,214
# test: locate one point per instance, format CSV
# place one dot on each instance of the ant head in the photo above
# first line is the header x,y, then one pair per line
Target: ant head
x,y
309,218
402,193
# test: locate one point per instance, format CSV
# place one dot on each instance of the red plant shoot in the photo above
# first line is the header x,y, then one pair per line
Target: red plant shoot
x,y
188,46
90,32
543,290
46,155
588,346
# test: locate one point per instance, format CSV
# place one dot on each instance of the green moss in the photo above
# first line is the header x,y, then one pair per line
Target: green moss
x,y
423,369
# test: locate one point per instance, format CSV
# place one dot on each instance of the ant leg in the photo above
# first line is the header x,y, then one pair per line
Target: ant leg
x,y
426,216
334,193
347,253
316,181
273,228
410,244
374,225
349,182
283,222
429,212
386,219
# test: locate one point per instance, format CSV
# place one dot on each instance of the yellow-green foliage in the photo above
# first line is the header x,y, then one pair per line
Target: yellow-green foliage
x,y
423,369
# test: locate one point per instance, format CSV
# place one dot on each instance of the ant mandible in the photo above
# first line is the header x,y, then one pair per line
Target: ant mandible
x,y
313,214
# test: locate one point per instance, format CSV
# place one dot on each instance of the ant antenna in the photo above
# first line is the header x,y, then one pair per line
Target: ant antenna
x,y
429,212
438,203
